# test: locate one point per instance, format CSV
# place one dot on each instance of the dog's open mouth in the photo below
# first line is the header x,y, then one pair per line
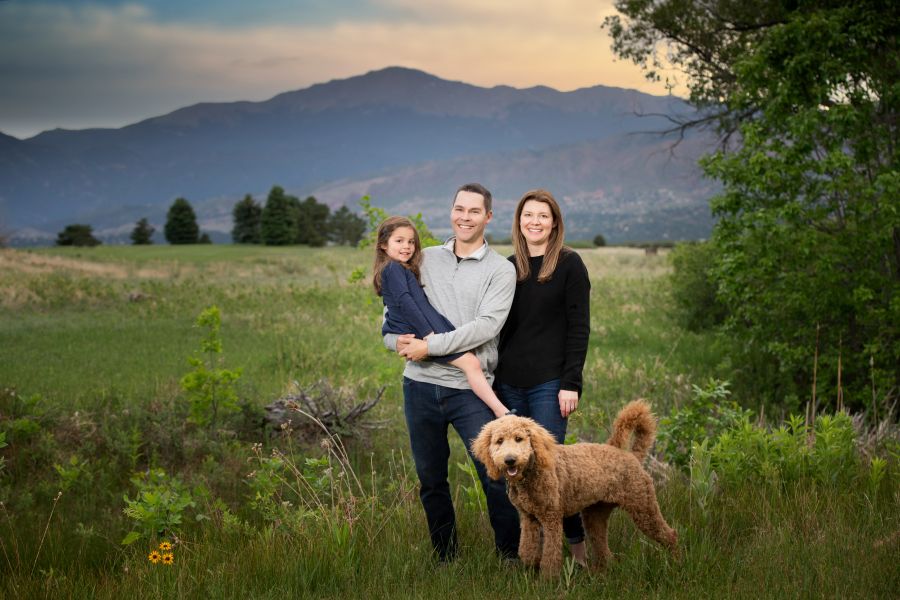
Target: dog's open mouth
x,y
512,471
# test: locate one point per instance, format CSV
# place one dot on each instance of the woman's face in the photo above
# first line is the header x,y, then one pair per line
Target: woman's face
x,y
536,223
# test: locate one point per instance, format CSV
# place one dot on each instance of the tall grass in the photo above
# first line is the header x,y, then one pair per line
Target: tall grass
x,y
94,342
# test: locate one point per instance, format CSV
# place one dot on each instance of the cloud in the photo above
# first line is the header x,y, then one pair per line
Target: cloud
x,y
83,65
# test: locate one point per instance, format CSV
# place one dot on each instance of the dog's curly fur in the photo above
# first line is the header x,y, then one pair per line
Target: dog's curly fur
x,y
547,481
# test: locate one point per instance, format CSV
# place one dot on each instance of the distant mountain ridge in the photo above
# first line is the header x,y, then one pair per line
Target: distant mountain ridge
x,y
405,136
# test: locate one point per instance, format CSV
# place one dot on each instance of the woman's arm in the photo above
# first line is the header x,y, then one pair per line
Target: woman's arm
x,y
578,322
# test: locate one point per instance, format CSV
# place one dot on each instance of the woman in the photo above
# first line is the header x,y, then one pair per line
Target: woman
x,y
545,339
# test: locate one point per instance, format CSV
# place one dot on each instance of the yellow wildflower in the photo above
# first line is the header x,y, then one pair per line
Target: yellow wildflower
x,y
165,546
168,559
154,557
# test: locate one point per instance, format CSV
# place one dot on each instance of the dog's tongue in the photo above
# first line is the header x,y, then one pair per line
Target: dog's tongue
x,y
512,471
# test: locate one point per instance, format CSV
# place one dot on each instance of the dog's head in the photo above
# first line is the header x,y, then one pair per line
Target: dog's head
x,y
510,446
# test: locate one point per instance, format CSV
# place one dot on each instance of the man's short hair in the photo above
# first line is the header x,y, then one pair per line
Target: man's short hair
x,y
476,188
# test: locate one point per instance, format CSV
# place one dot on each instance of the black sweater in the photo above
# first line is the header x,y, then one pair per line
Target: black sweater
x,y
546,334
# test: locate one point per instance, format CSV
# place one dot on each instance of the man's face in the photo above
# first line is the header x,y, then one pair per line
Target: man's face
x,y
469,217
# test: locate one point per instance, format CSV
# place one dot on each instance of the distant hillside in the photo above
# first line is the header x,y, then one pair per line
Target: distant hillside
x,y
404,136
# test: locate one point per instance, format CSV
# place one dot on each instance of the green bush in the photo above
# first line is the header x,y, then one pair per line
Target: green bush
x,y
706,416
826,454
158,507
693,289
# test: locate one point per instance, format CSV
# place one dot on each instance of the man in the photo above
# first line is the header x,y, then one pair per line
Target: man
x,y
473,287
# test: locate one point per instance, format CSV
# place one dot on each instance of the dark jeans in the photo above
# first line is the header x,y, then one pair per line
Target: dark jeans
x,y
541,403
429,409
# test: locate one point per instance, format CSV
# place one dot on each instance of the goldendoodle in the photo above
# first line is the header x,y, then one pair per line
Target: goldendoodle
x,y
548,481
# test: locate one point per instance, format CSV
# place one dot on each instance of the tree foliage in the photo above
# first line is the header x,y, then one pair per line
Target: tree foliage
x,y
278,224
247,215
77,235
181,223
375,215
142,234
807,245
346,227
312,222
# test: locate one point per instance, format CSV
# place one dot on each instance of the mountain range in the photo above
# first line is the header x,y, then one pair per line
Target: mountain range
x,y
406,138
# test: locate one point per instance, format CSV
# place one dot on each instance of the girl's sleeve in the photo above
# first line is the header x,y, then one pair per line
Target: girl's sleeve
x,y
398,297
578,322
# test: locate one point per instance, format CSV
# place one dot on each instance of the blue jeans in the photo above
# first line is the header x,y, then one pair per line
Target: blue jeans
x,y
429,409
541,403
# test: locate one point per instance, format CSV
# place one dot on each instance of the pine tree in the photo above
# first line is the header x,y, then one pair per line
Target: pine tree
x,y
312,222
344,227
247,216
142,233
278,224
181,223
77,235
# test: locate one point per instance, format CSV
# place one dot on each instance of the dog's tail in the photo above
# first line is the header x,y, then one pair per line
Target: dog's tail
x,y
634,418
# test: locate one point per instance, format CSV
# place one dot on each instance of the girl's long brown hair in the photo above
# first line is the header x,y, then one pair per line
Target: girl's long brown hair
x,y
385,230
554,245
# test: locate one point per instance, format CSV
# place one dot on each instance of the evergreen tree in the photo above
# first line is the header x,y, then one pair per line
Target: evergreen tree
x,y
142,233
312,222
204,239
346,228
181,223
247,216
278,223
77,235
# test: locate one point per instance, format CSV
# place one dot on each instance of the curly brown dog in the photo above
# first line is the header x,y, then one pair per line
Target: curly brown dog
x,y
548,481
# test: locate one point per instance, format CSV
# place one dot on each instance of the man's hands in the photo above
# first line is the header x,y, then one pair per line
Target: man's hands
x,y
412,348
568,402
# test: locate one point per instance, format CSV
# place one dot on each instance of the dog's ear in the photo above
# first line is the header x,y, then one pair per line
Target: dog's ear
x,y
481,449
544,445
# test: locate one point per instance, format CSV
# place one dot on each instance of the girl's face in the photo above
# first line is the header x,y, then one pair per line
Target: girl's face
x,y
401,244
536,223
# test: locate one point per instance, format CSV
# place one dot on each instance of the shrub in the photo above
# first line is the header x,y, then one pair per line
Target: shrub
x,y
158,507
826,453
706,416
693,289
599,240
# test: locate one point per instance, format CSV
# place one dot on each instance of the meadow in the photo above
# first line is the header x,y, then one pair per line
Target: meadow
x,y
98,444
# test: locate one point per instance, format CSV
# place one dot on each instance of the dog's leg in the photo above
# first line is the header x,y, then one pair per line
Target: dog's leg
x,y
596,521
551,557
529,540
644,510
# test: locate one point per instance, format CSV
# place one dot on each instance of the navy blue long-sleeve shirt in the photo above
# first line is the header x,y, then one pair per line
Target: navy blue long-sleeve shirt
x,y
408,309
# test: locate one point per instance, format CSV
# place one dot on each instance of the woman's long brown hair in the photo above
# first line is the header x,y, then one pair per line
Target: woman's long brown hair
x,y
385,230
554,245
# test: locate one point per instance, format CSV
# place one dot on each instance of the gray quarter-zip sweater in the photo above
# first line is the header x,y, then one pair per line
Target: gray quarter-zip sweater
x,y
475,293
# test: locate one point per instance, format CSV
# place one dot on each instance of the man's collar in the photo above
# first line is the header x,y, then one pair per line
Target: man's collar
x,y
450,245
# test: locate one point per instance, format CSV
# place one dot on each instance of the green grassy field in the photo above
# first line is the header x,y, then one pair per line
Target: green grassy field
x,y
93,343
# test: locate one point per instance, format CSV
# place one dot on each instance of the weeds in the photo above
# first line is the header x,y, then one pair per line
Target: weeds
x,y
158,507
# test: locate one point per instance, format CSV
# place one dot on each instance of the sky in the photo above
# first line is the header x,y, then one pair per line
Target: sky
x,y
107,63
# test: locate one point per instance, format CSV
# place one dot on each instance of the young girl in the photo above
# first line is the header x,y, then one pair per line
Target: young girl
x,y
398,257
